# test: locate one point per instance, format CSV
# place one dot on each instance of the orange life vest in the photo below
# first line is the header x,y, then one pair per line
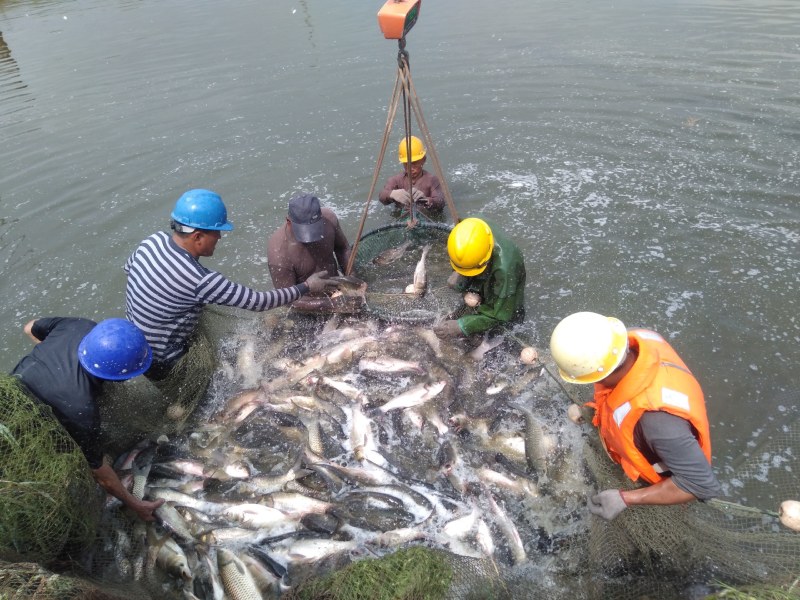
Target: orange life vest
x,y
658,380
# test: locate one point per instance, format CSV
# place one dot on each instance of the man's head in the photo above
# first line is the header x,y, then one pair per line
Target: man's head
x,y
305,216
198,218
417,155
588,347
115,349
470,245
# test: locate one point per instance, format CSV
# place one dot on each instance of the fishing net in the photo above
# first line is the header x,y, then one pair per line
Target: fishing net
x,y
30,581
664,550
445,452
48,499
142,408
388,277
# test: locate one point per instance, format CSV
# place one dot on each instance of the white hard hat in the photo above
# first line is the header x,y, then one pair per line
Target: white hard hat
x,y
587,346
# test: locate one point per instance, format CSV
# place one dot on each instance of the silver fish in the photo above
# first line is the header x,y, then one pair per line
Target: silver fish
x,y
238,536
431,339
387,257
141,469
180,499
420,282
206,576
172,559
255,516
388,364
313,550
360,432
506,525
485,346
348,348
296,505
264,578
247,367
237,580
460,527
345,388
521,487
451,466
241,400
415,396
534,442
172,520
295,371
267,484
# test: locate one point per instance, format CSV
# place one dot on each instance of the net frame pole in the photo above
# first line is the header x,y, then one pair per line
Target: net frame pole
x,y
403,86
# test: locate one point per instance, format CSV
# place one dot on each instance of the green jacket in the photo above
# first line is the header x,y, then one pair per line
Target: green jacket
x,y
501,287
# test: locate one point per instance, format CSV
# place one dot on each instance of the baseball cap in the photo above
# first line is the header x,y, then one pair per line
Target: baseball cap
x,y
306,217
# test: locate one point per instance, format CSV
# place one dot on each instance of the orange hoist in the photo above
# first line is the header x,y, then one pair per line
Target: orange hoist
x,y
396,18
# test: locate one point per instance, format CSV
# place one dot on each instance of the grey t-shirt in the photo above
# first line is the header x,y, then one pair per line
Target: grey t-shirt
x,y
665,438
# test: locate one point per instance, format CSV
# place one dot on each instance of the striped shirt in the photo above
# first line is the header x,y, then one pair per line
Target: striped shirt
x,y
167,288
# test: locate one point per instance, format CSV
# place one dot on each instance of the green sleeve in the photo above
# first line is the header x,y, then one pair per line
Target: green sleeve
x,y
493,310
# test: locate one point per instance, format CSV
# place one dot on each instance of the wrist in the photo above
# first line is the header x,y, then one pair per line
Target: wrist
x,y
624,499
303,288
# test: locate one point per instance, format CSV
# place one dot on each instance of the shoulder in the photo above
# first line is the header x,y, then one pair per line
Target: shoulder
x,y
275,244
159,237
330,216
158,241
42,328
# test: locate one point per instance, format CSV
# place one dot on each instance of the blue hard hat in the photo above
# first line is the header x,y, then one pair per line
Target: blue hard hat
x,y
115,349
202,209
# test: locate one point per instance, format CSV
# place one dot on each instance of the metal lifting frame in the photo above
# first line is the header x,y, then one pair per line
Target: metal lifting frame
x,y
403,86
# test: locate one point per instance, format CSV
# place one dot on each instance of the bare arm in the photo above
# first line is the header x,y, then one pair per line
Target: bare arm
x,y
663,492
109,481
28,329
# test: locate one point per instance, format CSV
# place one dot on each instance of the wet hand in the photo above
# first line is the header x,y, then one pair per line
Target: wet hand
x,y
144,510
607,504
448,329
402,197
418,196
318,282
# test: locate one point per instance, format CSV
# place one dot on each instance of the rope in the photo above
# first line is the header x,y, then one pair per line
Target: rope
x,y
411,105
386,130
724,505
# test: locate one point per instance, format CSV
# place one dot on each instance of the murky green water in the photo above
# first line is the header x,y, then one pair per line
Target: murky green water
x,y
643,154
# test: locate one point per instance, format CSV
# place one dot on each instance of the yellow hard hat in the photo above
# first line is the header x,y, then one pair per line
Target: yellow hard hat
x,y
417,150
470,246
587,347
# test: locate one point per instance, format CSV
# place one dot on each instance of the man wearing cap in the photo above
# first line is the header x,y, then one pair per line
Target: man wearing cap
x,y
649,410
310,241
168,287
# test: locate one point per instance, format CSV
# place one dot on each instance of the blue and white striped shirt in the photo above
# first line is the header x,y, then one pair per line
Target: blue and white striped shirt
x,y
167,288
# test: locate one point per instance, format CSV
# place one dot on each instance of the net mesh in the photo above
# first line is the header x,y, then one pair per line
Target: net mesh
x,y
141,408
388,276
48,503
654,552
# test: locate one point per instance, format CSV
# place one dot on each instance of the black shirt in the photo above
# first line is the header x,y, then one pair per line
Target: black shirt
x,y
53,374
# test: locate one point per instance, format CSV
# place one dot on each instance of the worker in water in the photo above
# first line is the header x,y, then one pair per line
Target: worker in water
x,y
66,370
649,410
489,268
310,241
424,190
168,287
